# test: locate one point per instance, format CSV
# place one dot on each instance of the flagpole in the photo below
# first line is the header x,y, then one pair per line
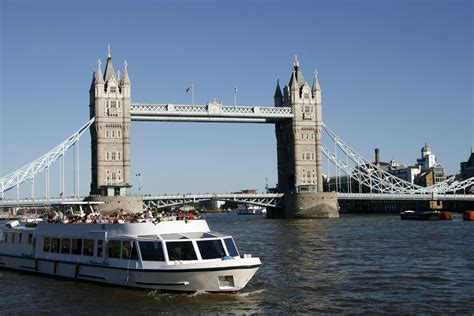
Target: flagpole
x,y
235,96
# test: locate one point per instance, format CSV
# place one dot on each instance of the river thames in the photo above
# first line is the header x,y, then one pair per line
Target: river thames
x,y
355,264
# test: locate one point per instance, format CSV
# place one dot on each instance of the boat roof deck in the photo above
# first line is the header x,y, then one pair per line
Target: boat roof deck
x,y
126,229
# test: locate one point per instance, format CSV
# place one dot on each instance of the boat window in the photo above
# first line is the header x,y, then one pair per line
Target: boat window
x,y
128,251
5,237
211,249
151,251
114,249
231,249
100,247
13,238
77,247
54,245
88,247
19,238
199,235
30,239
173,236
65,245
181,250
46,242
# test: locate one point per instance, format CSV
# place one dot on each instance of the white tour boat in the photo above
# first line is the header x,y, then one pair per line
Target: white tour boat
x,y
244,209
169,255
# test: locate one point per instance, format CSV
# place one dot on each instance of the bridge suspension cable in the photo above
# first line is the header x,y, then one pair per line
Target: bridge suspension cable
x,y
380,181
42,163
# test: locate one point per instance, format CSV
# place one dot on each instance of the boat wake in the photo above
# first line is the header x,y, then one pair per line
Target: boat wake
x,y
250,293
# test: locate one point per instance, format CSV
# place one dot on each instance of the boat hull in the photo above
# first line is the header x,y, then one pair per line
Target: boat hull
x,y
420,215
225,277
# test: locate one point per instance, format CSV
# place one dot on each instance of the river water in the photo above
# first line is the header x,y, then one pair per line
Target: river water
x,y
354,264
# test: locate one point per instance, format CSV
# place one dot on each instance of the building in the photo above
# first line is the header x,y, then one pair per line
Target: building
x,y
427,160
467,167
467,171
407,173
431,176
426,172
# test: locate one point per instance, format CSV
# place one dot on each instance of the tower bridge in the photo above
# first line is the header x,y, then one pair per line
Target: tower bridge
x,y
299,129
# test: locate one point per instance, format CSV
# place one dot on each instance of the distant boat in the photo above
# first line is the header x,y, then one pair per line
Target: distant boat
x,y
420,215
244,209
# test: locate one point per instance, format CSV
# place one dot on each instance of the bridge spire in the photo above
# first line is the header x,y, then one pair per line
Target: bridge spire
x,y
126,79
98,74
316,86
293,81
109,67
278,96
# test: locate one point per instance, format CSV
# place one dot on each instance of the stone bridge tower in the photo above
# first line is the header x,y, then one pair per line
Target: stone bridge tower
x,y
110,134
299,150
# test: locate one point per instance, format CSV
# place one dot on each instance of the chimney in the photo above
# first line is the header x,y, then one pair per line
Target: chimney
x,y
377,157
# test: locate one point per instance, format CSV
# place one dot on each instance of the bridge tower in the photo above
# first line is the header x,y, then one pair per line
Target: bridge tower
x,y
299,149
110,101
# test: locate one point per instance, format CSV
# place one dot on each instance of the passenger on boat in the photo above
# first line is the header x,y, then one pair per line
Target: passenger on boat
x,y
191,215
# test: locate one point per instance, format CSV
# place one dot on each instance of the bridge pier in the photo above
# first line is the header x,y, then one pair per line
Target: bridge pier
x,y
129,203
311,205
307,205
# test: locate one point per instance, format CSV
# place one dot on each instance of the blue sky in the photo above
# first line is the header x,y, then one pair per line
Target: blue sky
x,y
394,75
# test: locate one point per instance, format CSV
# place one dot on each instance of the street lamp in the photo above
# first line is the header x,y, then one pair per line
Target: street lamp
x,y
139,175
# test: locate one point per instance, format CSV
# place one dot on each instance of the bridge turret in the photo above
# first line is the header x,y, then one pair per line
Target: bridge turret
x,y
99,81
316,89
294,87
109,67
125,83
278,97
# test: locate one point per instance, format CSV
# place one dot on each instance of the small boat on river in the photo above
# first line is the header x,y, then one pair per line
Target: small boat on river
x,y
244,209
176,255
420,215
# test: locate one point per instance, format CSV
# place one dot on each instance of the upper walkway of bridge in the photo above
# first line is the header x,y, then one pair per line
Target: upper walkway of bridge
x,y
212,112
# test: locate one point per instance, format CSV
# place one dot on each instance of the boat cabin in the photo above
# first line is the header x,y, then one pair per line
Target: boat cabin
x,y
139,245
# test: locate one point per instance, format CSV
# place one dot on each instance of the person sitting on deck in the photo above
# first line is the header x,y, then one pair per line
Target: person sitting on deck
x,y
191,215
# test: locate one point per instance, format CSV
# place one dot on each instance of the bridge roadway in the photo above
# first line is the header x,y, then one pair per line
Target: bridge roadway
x,y
212,112
263,199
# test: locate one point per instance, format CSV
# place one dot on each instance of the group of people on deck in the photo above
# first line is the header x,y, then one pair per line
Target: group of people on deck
x,y
182,216
120,217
